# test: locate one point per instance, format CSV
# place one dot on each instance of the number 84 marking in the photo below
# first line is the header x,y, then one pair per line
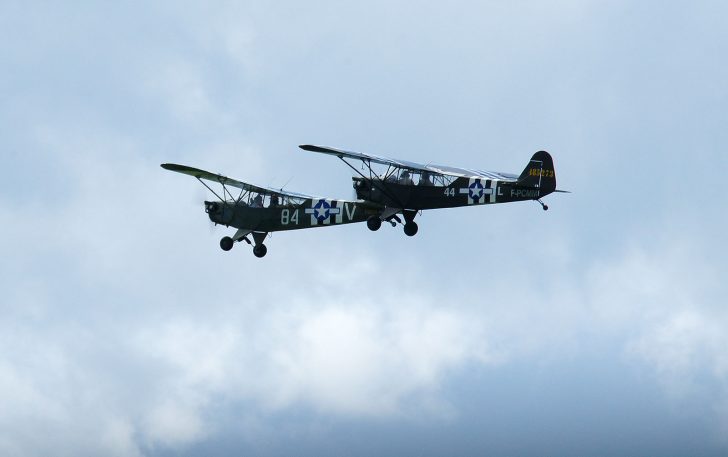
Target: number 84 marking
x,y
287,218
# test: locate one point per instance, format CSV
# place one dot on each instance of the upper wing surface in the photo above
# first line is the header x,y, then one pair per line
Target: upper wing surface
x,y
412,166
202,174
360,156
468,173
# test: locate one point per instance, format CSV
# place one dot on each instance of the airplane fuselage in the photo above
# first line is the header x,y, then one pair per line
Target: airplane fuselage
x,y
460,192
311,213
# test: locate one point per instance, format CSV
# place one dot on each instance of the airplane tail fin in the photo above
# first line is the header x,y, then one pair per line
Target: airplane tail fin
x,y
539,173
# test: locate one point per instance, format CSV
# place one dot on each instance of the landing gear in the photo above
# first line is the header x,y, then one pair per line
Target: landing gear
x,y
410,228
260,250
373,223
390,215
543,205
226,243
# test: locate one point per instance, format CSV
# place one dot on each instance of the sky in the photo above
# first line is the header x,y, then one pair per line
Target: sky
x,y
596,328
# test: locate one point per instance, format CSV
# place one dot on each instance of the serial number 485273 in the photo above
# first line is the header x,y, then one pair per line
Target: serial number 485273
x,y
541,172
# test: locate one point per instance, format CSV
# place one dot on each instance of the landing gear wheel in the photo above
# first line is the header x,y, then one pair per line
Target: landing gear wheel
x,y
545,207
373,223
226,243
410,228
260,250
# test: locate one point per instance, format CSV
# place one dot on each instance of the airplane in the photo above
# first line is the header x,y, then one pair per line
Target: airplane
x,y
399,187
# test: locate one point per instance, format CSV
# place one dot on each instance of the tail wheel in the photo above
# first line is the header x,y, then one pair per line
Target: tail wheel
x,y
410,228
226,243
260,250
373,223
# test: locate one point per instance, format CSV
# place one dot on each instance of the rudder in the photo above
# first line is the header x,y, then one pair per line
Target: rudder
x,y
539,173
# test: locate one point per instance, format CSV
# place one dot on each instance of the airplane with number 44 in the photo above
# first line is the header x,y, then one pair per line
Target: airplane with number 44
x,y
386,189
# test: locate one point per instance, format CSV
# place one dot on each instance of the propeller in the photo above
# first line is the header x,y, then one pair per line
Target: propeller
x,y
203,195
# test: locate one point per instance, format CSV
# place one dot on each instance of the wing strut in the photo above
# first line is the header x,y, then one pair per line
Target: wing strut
x,y
210,189
374,182
224,192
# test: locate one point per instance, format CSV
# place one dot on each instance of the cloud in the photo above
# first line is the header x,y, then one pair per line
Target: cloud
x,y
143,335
364,360
353,360
685,345
180,85
665,300
126,358
126,331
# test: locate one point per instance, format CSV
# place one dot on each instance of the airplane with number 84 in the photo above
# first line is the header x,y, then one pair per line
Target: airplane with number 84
x,y
386,190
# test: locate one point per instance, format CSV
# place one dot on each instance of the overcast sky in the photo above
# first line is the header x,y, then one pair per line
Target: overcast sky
x,y
597,328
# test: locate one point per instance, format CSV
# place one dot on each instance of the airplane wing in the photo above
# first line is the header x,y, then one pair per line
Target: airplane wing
x,y
206,175
340,153
469,173
412,166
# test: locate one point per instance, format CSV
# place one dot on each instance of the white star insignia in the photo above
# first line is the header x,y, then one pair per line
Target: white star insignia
x,y
320,212
477,191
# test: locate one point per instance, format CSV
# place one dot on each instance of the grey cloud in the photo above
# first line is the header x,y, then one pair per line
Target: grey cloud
x,y
125,330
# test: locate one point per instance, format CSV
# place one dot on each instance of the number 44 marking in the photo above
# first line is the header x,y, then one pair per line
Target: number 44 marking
x,y
449,191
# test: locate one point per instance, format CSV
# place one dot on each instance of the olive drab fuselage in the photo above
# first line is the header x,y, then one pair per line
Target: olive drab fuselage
x,y
311,213
460,192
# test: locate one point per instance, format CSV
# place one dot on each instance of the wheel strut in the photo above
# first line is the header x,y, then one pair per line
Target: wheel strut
x,y
410,226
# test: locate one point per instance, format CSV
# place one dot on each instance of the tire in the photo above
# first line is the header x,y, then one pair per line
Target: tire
x,y
226,243
260,250
410,228
373,223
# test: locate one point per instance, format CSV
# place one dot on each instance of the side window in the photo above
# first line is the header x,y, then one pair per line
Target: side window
x,y
425,179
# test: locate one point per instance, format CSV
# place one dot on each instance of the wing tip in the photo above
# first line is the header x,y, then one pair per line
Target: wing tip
x,y
311,147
